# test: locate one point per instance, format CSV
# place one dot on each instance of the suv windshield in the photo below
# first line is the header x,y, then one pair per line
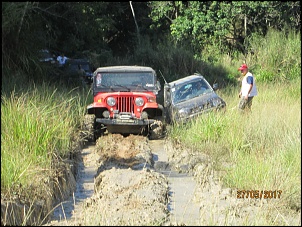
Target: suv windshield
x,y
190,90
143,79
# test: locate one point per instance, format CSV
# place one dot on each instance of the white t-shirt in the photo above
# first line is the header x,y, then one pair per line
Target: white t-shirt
x,y
61,60
246,81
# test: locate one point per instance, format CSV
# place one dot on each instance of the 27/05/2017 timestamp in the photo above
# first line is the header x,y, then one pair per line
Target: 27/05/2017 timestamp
x,y
259,194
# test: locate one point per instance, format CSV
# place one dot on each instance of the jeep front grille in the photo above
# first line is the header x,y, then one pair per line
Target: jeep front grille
x,y
125,104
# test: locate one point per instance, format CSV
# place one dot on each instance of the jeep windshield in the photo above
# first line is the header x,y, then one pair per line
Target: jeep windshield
x,y
135,81
189,90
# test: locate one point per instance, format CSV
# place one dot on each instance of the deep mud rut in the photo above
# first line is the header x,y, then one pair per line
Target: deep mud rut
x,y
182,206
135,181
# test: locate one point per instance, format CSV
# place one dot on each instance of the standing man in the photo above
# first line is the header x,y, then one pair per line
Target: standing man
x,y
62,59
248,89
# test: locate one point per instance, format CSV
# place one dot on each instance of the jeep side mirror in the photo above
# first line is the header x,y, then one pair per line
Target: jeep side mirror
x,y
167,95
215,86
158,85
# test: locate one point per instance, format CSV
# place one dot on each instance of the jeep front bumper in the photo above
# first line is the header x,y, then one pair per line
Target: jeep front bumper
x,y
117,121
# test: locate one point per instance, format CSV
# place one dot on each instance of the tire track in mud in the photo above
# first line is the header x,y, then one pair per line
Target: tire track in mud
x,y
130,176
182,206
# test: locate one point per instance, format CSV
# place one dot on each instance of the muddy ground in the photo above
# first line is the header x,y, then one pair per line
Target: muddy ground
x,y
135,181
154,182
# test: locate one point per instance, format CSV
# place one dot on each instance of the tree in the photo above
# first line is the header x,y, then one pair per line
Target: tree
x,y
226,22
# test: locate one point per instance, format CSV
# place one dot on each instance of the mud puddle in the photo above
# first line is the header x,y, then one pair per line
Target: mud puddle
x,y
69,209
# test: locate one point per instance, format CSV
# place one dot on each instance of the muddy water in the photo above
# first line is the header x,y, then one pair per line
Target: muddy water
x,y
182,206
71,208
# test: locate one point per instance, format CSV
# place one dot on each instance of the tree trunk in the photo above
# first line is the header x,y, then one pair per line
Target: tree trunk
x,y
21,23
138,37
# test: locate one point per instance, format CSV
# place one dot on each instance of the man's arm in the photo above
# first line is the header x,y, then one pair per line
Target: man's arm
x,y
250,82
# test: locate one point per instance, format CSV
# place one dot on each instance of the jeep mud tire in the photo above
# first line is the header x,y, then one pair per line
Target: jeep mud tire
x,y
88,128
156,129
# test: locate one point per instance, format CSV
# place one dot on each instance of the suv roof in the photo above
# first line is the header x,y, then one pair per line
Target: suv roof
x,y
185,79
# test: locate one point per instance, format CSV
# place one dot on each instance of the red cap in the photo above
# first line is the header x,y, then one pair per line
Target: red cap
x,y
242,67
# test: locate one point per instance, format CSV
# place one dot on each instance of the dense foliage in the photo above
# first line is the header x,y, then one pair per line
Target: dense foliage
x,y
134,30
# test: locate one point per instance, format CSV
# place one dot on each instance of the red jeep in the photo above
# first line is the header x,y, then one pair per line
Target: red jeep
x,y
125,102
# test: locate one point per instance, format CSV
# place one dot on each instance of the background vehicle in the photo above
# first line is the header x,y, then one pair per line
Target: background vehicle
x,y
125,102
183,99
46,56
78,69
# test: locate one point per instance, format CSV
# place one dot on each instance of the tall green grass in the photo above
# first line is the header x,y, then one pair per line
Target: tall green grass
x,y
275,57
259,151
36,124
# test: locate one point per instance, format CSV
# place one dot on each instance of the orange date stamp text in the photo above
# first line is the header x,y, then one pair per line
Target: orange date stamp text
x,y
259,194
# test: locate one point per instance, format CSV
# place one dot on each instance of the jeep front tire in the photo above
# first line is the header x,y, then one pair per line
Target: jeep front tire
x,y
156,129
88,127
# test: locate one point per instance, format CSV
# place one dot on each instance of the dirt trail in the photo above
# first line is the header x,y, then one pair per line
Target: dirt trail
x,y
175,192
135,181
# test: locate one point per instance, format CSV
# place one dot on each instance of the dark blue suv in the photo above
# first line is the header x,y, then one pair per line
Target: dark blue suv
x,y
80,68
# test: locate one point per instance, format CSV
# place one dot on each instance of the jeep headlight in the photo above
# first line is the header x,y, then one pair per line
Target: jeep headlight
x,y
111,101
184,113
139,101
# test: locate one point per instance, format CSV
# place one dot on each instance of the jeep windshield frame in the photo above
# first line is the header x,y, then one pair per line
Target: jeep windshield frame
x,y
130,79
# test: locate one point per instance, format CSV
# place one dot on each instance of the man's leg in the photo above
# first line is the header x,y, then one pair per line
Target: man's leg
x,y
249,103
242,104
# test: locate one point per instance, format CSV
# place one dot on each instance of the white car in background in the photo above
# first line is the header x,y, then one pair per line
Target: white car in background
x,y
46,56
